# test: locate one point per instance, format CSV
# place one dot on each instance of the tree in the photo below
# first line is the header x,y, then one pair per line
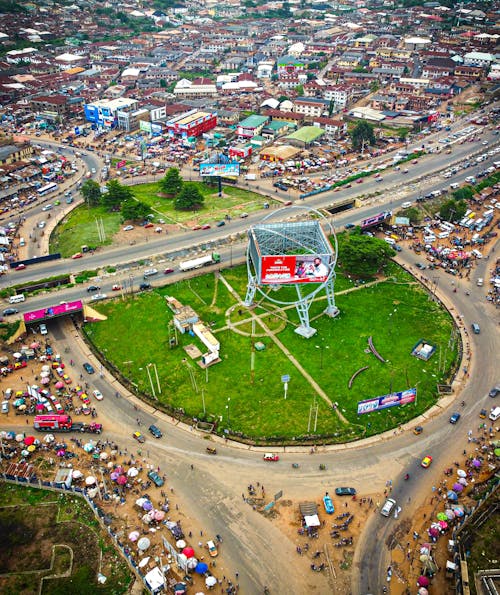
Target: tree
x,y
134,210
189,198
91,192
363,255
116,194
361,135
171,183
453,210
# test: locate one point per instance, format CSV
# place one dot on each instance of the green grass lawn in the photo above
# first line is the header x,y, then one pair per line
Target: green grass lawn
x,y
250,400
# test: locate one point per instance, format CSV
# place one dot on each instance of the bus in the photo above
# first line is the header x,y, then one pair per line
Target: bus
x,y
375,220
47,189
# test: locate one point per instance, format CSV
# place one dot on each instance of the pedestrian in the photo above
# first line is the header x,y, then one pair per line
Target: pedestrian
x,y
27,421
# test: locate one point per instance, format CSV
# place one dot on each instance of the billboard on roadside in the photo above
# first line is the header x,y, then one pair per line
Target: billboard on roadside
x,y
303,268
392,400
220,169
52,311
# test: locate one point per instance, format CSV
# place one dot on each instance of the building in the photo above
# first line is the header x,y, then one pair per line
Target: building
x,y
191,123
57,105
251,126
104,113
10,153
311,106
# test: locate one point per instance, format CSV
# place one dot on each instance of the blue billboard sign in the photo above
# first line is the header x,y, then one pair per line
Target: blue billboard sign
x,y
377,403
220,169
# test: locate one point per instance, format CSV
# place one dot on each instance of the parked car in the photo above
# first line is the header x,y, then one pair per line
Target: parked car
x,y
271,456
156,479
454,418
345,492
212,549
168,271
77,255
43,329
493,392
128,228
417,430
88,368
426,462
155,430
144,286
92,288
20,267
10,311
98,296
220,223
389,504
139,437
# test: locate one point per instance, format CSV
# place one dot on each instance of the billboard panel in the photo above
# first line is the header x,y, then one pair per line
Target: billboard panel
x,y
145,126
219,169
303,268
391,400
51,311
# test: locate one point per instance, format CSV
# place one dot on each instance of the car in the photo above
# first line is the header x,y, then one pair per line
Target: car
x,y
148,225
349,226
406,204
426,462
244,215
493,392
386,509
92,288
271,456
345,492
206,226
128,228
398,248
88,368
155,430
483,413
220,223
43,329
47,207
417,430
348,186
454,418
196,227
144,286
98,296
212,549
421,266
116,287
359,181
97,395
10,311
20,267
156,479
77,255
5,407
168,271
379,179
405,171
139,437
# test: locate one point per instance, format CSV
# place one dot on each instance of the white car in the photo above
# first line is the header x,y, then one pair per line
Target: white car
x,y
406,205
97,394
128,228
98,296
43,329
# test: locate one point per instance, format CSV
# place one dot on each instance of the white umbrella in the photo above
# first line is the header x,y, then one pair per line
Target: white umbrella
x,y
143,562
462,481
132,472
146,518
49,438
113,453
20,437
210,581
461,473
17,355
45,368
93,492
140,501
44,374
143,543
181,544
103,456
191,563
76,474
90,480
110,465
134,535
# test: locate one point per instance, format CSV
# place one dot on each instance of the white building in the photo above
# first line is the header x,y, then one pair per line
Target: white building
x,y
480,59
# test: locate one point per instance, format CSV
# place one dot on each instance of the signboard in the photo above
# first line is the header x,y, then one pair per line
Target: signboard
x,y
145,126
386,401
285,378
121,163
51,311
220,169
278,495
310,268
375,220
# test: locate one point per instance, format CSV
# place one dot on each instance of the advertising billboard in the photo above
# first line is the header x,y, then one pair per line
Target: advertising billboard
x,y
219,169
121,163
304,268
378,403
145,126
51,311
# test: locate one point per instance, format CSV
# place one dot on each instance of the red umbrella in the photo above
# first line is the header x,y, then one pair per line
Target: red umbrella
x,y
188,552
122,480
29,440
39,407
59,384
423,581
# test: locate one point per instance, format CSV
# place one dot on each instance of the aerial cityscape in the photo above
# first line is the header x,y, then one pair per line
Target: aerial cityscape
x,y
250,297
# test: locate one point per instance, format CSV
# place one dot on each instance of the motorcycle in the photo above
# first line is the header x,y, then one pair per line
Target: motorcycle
x,y
407,477
295,465
322,467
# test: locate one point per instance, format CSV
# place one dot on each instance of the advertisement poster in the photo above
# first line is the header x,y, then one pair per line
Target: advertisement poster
x,y
378,403
220,169
309,268
59,310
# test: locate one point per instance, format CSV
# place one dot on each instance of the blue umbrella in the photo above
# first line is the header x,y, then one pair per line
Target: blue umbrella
x,y
201,568
451,495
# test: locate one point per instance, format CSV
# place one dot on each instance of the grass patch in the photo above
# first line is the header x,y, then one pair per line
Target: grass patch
x,y
250,400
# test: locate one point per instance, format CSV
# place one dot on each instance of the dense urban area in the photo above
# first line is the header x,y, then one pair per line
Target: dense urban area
x,y
249,297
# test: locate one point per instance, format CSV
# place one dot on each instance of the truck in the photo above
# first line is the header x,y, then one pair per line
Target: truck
x,y
197,263
63,423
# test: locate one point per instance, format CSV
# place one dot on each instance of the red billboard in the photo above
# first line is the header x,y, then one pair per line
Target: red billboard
x,y
51,311
121,163
310,268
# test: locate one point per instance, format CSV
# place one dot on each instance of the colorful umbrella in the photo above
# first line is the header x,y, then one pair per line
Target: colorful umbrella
x,y
443,524
31,448
433,532
462,481
143,543
201,568
90,480
140,501
423,581
114,476
159,515
188,552
146,518
76,474
134,535
119,469
180,589
147,506
45,380
19,437
180,544
132,472
461,473
457,487
450,514
103,456
451,495
122,480
59,384
10,435
89,447
39,407
29,440
192,563
25,453
18,402
476,463
61,452
143,562
441,516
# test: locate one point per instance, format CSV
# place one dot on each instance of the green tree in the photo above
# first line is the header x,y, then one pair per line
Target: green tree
x,y
361,135
465,193
453,210
91,192
171,183
413,214
117,194
134,210
363,255
189,198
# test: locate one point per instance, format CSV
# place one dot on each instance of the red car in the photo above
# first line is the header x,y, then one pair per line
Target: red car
x,y
20,267
148,225
206,226
116,287
196,227
77,255
271,456
168,271
359,181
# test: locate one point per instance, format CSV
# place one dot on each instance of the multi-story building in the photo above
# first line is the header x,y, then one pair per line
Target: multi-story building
x,y
191,123
104,113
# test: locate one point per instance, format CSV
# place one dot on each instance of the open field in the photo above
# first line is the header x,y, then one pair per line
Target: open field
x,y
244,392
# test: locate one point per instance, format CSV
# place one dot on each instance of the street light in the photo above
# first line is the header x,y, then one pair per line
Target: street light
x,y
227,411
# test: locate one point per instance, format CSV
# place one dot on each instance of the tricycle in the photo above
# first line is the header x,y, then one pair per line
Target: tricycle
x,y
211,450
